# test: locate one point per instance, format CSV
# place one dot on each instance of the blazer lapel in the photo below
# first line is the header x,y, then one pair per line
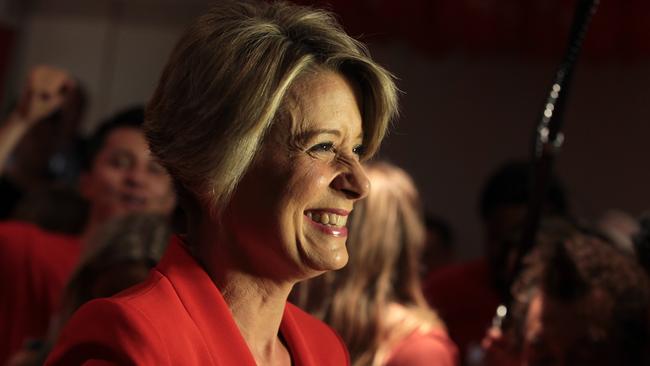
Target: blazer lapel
x,y
206,306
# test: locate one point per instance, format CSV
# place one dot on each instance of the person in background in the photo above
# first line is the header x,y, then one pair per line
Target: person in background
x,y
376,302
119,176
56,208
641,241
39,142
578,301
619,227
263,116
118,256
466,295
439,248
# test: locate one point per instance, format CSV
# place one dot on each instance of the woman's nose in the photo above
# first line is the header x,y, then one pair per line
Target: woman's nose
x,y
136,176
352,182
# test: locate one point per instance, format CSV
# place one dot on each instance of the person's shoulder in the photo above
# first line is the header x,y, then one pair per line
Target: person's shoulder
x,y
29,234
15,239
150,297
425,348
156,303
111,331
18,230
132,328
446,288
325,345
33,249
449,275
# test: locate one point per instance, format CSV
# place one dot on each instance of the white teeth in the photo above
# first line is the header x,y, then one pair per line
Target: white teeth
x,y
328,218
342,220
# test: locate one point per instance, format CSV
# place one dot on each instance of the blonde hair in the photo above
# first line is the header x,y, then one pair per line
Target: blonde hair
x,y
226,82
387,234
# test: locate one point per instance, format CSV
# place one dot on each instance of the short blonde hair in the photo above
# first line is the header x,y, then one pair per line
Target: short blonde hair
x,y
226,81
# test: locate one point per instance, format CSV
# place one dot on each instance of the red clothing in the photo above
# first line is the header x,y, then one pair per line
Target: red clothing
x,y
424,349
465,299
34,268
178,317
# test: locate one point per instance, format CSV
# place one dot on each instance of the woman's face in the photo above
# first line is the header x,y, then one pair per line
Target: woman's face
x,y
125,178
289,212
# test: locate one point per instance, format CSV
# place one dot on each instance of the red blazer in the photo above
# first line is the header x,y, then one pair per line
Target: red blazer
x,y
34,267
178,317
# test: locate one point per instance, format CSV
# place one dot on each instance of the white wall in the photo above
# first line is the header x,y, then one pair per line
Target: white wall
x,y
116,48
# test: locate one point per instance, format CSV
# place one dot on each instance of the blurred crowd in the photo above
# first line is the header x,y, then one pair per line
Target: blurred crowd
x,y
85,217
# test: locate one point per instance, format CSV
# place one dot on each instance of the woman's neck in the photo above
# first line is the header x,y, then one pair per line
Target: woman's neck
x,y
257,307
94,223
257,304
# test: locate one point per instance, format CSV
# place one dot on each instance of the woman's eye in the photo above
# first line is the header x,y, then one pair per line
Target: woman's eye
x,y
120,161
359,150
322,147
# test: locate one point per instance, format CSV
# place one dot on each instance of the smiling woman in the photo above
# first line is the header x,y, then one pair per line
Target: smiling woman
x,y
262,116
311,182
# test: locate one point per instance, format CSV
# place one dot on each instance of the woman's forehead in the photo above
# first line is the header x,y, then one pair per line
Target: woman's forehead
x,y
324,102
126,137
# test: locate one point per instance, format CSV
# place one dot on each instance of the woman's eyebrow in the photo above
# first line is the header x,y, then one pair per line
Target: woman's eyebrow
x,y
306,135
120,151
310,134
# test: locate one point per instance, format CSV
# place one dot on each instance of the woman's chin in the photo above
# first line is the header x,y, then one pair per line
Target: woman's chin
x,y
340,260
329,262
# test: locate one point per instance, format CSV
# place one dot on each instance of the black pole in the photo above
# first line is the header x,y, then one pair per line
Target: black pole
x,y
548,137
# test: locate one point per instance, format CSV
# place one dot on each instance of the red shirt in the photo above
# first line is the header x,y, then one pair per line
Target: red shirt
x,y
178,317
465,299
433,348
34,268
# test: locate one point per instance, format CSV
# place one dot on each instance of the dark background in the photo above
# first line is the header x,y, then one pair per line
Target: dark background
x,y
473,76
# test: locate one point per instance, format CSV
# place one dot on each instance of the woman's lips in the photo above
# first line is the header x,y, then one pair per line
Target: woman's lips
x,y
134,202
329,221
337,231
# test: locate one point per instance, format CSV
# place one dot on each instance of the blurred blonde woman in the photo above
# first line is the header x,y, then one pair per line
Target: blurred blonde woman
x,y
376,302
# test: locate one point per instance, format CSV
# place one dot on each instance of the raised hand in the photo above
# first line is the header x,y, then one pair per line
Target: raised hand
x,y
46,90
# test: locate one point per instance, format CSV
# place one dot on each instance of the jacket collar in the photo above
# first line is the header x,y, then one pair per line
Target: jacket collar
x,y
211,314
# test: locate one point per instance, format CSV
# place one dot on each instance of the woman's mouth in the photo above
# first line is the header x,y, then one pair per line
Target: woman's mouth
x,y
328,222
134,202
327,218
